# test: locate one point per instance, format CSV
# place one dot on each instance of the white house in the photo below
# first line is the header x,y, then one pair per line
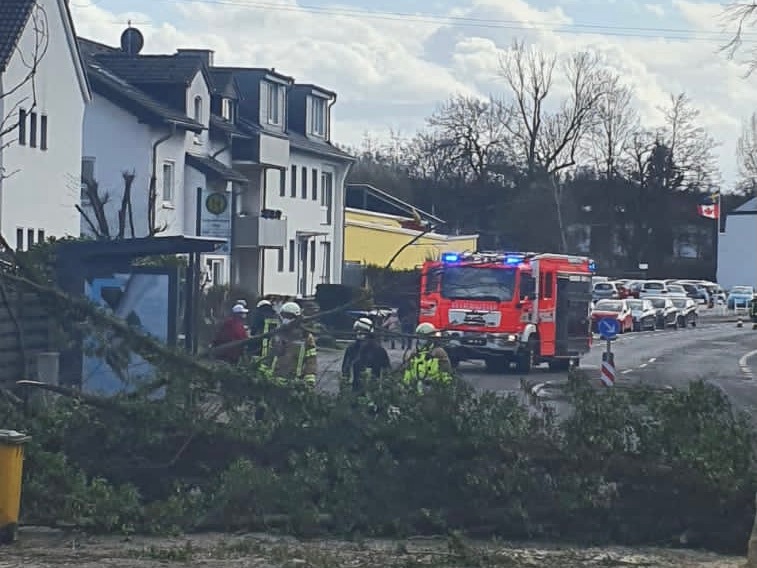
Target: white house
x,y
43,93
737,253
151,124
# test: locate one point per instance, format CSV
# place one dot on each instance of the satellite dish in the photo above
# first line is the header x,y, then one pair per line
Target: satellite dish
x,y
132,41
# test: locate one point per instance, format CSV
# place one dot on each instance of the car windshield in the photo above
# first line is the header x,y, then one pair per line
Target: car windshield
x,y
679,303
654,286
604,306
478,283
741,290
636,304
675,288
689,287
603,286
658,302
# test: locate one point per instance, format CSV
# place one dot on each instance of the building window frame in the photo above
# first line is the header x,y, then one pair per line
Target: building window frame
x,y
318,117
22,116
273,104
43,132
32,129
292,255
168,182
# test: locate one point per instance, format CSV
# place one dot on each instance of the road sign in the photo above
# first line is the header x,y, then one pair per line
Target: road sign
x,y
608,369
608,328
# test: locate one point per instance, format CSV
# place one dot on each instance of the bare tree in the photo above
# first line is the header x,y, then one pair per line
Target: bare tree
x,y
741,15
95,214
746,152
472,132
612,136
23,94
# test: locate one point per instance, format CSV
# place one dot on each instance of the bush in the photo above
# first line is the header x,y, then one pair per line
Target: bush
x,y
628,466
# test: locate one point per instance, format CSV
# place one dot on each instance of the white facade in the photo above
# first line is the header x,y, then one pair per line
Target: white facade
x,y
737,255
42,159
315,225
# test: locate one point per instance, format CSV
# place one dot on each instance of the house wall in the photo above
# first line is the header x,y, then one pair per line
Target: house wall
x,y
737,258
43,188
373,238
305,225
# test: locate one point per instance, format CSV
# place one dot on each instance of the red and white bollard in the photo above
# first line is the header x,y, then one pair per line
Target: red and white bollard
x,y
608,374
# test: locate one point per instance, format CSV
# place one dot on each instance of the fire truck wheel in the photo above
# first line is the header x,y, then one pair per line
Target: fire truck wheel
x,y
524,362
559,364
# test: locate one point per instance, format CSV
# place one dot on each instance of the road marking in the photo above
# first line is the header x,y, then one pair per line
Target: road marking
x,y
627,371
744,364
642,365
653,359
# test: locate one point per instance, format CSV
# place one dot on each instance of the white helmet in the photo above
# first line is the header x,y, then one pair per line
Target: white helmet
x,y
239,309
425,328
242,303
363,325
262,303
291,310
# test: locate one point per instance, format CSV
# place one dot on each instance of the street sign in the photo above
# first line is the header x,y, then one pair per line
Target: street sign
x,y
608,328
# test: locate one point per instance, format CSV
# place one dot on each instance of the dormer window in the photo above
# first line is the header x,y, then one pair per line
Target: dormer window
x,y
198,109
317,117
227,109
273,103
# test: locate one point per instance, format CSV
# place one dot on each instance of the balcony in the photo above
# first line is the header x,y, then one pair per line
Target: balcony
x,y
259,232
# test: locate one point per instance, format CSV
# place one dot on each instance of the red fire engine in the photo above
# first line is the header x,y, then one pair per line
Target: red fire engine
x,y
503,308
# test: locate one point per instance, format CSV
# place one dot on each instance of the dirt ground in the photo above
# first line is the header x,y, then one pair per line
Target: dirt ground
x,y
38,548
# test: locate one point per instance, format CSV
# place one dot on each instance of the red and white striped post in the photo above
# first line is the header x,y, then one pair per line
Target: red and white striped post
x,y
608,373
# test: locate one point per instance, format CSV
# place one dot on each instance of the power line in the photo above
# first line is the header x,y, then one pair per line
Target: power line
x,y
680,34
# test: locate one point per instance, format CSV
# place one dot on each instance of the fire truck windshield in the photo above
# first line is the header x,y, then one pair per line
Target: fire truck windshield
x,y
478,283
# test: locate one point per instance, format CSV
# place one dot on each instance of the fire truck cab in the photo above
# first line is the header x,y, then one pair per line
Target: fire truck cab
x,y
510,308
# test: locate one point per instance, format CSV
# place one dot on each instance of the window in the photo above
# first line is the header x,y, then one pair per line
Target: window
x,y
33,129
281,259
198,108
326,262
19,239
215,270
40,236
22,127
292,256
293,182
477,283
312,255
283,183
547,285
317,116
326,194
227,109
43,132
273,104
88,168
168,181
314,182
29,238
304,182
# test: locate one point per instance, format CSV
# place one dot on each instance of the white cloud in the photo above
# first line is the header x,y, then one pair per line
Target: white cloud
x,y
392,71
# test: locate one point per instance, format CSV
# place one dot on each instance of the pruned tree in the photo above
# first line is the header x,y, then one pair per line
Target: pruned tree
x,y
95,210
746,152
23,93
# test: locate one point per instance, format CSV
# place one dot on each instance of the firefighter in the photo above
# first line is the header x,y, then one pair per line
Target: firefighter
x,y
232,330
366,358
429,363
293,354
264,319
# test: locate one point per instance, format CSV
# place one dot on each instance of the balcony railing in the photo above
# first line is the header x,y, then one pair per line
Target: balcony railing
x,y
259,231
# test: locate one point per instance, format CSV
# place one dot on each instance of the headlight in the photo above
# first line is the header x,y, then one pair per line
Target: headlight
x,y
512,338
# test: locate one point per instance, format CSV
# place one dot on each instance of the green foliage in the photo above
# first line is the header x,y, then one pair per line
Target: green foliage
x,y
236,451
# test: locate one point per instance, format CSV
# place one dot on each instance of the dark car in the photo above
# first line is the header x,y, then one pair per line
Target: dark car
x,y
687,311
667,313
696,293
644,314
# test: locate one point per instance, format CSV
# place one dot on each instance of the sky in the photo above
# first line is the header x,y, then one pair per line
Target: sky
x,y
393,62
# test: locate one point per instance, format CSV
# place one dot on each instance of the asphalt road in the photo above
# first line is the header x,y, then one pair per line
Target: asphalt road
x,y
717,351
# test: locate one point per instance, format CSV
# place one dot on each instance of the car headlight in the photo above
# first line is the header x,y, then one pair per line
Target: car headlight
x,y
512,338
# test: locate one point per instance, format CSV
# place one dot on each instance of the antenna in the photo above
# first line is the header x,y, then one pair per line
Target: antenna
x,y
132,40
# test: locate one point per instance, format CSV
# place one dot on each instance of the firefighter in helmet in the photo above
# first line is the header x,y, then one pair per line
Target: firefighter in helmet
x,y
264,320
430,362
366,358
293,354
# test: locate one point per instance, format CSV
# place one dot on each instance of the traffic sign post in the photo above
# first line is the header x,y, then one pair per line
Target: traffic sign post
x,y
608,330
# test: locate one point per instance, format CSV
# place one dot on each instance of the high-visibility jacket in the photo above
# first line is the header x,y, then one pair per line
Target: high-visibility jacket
x,y
428,365
269,324
294,359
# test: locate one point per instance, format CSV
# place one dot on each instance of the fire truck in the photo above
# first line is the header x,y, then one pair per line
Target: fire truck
x,y
510,308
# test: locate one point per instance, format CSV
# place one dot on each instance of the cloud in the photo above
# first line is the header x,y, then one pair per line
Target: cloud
x,y
391,70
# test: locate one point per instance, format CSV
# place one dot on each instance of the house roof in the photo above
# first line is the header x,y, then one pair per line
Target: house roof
x,y
357,192
213,167
223,125
222,82
311,87
152,69
300,142
748,207
13,17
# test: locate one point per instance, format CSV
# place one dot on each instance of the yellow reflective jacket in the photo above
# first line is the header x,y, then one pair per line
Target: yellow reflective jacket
x,y
294,358
428,364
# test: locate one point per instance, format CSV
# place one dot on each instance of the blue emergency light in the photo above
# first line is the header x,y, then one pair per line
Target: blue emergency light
x,y
450,257
514,259
592,266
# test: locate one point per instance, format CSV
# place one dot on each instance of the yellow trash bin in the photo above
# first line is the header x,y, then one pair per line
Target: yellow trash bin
x,y
11,468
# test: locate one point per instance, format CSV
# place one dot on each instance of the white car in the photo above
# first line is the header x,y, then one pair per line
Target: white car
x,y
653,288
677,291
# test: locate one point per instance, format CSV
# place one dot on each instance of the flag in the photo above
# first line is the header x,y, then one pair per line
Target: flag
x,y
710,206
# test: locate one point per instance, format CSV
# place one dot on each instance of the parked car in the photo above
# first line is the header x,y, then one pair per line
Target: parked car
x,y
623,290
643,313
687,311
695,291
740,297
618,309
605,290
634,288
676,291
667,313
653,288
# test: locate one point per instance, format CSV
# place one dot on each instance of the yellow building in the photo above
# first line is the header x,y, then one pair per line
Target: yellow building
x,y
377,225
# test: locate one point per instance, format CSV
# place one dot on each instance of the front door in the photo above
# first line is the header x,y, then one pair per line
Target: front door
x,y
572,332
